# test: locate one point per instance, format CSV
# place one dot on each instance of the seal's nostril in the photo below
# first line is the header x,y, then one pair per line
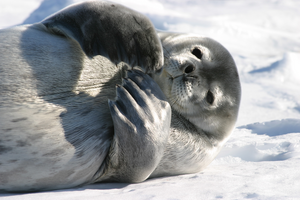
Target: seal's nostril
x,y
189,69
210,97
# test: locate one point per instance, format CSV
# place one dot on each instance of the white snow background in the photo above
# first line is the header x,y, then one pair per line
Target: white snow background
x,y
261,160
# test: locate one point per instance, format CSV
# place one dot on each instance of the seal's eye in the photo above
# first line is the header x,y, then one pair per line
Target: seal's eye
x,y
196,52
210,97
189,69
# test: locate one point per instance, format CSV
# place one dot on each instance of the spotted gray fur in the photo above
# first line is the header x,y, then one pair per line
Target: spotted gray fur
x,y
57,127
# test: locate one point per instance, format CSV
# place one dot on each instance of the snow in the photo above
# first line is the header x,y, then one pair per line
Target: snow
x,y
262,157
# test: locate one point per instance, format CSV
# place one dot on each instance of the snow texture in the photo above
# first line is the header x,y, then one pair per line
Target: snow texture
x,y
262,157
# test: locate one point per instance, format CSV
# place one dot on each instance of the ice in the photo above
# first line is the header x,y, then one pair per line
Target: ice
x,y
262,157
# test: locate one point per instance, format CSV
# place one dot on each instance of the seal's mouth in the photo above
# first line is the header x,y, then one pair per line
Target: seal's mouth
x,y
172,77
186,71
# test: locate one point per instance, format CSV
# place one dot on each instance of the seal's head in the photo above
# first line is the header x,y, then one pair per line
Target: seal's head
x,y
201,82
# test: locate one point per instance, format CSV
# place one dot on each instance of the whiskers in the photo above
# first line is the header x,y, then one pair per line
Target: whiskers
x,y
174,99
167,54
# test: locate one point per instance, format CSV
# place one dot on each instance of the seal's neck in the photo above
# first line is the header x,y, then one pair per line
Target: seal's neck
x,y
188,150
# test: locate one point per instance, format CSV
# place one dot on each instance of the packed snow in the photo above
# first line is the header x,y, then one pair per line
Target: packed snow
x,y
261,160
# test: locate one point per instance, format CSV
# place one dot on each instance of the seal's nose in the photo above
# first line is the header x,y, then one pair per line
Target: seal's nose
x,y
189,69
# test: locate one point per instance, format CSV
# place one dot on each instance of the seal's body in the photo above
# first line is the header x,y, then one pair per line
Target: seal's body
x,y
55,122
67,117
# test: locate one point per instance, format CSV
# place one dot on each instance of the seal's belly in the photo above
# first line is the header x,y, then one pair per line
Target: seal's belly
x,y
55,124
49,143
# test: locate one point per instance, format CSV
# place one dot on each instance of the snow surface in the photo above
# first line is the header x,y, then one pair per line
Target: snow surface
x,y
261,160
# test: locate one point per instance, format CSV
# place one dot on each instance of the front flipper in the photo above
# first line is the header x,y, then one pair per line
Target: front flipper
x,y
141,117
111,30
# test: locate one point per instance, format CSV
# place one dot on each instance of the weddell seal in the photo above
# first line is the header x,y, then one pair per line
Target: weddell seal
x,y
93,93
